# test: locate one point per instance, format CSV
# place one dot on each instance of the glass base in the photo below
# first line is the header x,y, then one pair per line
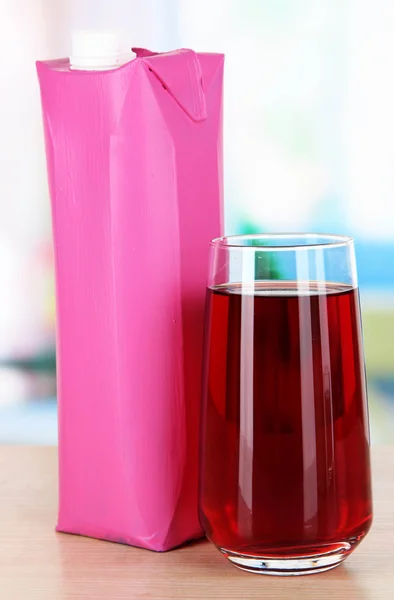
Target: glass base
x,y
305,564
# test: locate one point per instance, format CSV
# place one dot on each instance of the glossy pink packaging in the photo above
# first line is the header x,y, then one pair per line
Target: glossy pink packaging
x,y
134,160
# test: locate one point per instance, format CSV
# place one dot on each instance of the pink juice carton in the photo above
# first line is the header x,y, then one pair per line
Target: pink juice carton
x,y
134,155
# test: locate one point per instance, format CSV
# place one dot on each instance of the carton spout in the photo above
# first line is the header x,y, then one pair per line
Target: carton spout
x,y
99,34
98,49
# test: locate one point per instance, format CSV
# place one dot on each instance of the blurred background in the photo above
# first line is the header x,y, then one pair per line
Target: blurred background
x,y
309,146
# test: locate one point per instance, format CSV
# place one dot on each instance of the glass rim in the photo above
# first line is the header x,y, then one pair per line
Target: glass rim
x,y
328,240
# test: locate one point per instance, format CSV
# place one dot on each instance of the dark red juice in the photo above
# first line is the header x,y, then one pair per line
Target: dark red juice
x,y
285,440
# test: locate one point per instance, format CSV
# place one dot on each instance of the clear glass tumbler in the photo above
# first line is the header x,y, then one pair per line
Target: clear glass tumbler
x,y
285,484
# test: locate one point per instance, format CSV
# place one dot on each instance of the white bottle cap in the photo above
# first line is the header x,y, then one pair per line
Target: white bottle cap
x,y
98,50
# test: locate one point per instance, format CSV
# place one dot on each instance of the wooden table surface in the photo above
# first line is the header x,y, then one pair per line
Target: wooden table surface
x,y
36,562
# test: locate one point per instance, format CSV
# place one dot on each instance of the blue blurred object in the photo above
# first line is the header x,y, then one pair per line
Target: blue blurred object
x,y
375,262
29,422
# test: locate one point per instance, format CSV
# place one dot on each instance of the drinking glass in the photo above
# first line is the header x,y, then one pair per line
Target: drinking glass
x,y
285,483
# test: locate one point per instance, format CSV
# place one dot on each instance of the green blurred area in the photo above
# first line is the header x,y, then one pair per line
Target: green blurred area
x,y
378,326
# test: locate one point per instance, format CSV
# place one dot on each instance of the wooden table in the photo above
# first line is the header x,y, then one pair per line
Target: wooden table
x,y
36,562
